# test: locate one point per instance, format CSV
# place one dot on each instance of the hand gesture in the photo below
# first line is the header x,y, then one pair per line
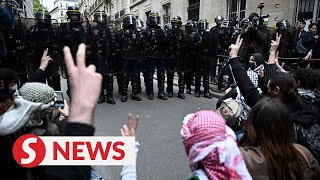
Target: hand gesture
x,y
65,111
85,86
309,56
45,60
275,44
234,48
130,129
261,72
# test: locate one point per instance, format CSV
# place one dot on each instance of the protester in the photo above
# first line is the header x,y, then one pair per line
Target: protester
x,y
267,146
307,43
303,115
4,21
211,147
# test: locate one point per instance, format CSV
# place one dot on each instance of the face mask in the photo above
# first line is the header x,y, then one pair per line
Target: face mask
x,y
252,65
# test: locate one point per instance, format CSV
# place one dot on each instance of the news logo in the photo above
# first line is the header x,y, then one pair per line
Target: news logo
x,y
30,150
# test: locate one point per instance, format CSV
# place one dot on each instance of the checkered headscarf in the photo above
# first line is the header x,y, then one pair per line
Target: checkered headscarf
x,y
209,141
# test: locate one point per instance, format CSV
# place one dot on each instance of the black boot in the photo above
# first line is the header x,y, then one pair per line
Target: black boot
x,y
188,83
124,88
135,87
197,86
101,98
119,81
146,82
206,87
181,85
161,94
109,96
150,87
138,83
170,76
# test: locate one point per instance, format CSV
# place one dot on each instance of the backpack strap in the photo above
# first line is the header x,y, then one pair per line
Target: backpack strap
x,y
303,155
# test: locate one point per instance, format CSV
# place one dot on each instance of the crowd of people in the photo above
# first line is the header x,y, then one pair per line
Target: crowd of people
x,y
265,128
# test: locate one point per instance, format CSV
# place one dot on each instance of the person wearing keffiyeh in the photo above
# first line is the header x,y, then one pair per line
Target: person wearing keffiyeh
x,y
211,147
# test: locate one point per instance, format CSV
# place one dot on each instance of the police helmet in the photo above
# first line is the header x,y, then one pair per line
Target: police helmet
x,y
154,19
129,20
43,16
244,21
190,25
282,24
219,18
100,17
176,21
202,25
73,11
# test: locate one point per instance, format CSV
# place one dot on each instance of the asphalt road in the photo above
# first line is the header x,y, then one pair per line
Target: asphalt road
x,y
161,155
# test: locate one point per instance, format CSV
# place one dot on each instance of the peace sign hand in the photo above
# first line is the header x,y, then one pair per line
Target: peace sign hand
x,y
234,48
275,44
130,129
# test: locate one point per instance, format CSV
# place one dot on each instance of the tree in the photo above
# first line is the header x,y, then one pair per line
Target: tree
x,y
37,6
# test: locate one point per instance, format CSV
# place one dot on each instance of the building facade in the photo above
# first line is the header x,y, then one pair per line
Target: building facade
x,y
291,10
24,8
60,9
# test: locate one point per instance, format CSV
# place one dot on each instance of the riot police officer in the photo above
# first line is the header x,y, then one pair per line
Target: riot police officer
x,y
217,32
101,48
190,55
286,41
43,37
13,47
201,41
176,63
132,51
157,48
74,32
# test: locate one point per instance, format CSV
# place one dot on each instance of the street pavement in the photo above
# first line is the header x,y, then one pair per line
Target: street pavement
x,y
161,154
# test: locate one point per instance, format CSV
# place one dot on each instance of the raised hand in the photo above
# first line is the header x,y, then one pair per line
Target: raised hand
x,y
85,86
130,129
275,44
234,48
45,60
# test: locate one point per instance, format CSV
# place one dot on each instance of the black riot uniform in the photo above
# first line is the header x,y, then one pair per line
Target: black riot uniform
x,y
190,54
101,44
286,41
132,50
74,33
201,41
157,45
13,38
177,50
218,33
43,37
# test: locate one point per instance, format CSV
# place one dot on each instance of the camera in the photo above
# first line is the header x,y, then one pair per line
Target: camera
x,y
261,6
59,102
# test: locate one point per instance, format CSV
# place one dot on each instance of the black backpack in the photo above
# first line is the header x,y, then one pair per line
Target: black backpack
x,y
306,126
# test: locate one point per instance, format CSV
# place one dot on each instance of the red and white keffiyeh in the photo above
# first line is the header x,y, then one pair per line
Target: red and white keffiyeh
x,y
209,141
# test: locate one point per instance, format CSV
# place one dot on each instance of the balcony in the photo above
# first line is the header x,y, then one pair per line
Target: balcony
x,y
95,5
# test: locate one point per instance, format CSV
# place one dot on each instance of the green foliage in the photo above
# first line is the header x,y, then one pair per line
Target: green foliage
x,y
37,6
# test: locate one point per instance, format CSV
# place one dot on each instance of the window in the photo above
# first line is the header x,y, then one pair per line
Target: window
x,y
61,13
305,9
237,8
67,5
61,4
166,13
193,9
